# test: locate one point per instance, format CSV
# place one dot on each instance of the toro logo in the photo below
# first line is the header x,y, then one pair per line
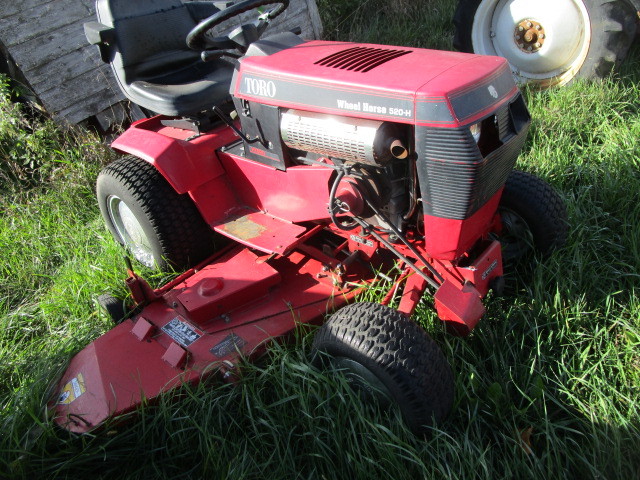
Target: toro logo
x,y
260,87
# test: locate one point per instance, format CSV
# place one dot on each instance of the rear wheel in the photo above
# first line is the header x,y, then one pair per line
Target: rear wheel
x,y
548,42
387,357
145,214
534,217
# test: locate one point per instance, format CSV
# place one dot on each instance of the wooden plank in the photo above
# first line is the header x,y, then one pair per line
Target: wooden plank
x,y
85,108
314,18
13,7
51,46
73,64
37,21
299,19
72,91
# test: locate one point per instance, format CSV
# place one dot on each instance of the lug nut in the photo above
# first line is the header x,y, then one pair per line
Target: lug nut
x,y
529,24
541,36
537,45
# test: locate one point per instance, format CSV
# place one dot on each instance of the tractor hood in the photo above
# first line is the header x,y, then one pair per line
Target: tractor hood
x,y
399,84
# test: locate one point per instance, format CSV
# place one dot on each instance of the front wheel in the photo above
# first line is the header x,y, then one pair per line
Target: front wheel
x,y
533,216
386,356
548,42
146,215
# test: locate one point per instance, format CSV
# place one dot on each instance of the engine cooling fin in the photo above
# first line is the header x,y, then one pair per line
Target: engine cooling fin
x,y
361,59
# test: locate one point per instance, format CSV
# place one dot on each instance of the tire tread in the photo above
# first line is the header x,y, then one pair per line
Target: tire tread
x,y
184,238
399,352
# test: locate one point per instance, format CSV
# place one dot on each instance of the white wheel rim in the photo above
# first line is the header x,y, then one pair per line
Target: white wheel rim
x,y
130,231
553,61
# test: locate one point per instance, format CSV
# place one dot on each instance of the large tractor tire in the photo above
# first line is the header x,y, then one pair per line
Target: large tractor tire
x,y
388,358
548,42
160,228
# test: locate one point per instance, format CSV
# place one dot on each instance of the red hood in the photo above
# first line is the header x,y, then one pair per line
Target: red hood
x,y
401,84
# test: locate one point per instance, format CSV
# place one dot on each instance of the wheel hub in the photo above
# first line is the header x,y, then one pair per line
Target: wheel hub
x,y
130,231
529,36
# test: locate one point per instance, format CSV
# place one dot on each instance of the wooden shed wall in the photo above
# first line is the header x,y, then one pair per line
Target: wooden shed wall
x,y
45,40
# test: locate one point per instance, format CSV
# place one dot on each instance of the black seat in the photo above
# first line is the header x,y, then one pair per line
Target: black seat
x,y
145,42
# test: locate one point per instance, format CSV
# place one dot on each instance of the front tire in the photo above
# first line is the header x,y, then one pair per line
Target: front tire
x,y
387,356
560,39
534,217
160,228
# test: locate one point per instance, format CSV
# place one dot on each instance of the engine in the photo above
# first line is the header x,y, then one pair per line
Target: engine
x,y
375,152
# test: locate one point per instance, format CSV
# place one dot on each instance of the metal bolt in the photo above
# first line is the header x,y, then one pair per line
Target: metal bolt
x,y
518,37
541,36
537,45
521,45
538,27
521,28
529,24
529,49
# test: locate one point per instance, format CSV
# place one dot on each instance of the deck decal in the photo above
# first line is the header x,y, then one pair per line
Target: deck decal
x,y
181,332
230,344
72,390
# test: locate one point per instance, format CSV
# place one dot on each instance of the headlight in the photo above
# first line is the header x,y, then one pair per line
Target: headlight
x,y
476,128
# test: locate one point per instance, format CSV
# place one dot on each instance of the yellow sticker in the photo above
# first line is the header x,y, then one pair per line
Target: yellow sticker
x,y
72,390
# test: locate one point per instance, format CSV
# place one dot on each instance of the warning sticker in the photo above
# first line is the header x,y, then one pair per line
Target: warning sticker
x,y
181,332
230,344
72,390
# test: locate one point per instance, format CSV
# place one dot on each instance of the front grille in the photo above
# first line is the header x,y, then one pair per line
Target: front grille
x,y
360,59
455,178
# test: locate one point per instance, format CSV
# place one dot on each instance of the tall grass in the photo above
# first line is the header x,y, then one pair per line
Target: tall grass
x,y
546,386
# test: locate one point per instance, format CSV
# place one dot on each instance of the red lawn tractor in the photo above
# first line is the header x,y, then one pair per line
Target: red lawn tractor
x,y
288,176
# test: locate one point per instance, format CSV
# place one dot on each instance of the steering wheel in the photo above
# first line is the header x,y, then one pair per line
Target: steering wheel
x,y
197,38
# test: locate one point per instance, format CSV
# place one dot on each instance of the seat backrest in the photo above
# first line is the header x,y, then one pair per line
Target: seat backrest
x,y
150,35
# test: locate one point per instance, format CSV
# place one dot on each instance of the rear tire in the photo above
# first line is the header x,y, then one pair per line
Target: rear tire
x,y
582,38
386,356
534,217
146,215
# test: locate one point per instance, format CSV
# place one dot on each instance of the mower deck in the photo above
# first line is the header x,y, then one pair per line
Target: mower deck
x,y
230,308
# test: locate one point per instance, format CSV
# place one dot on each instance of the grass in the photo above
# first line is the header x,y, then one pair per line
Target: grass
x,y
546,386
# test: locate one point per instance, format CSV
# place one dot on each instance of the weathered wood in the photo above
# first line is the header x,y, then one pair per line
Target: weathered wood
x,y
11,7
39,20
314,18
46,42
50,46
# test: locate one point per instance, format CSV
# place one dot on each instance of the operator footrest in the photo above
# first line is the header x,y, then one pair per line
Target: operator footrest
x,y
259,230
